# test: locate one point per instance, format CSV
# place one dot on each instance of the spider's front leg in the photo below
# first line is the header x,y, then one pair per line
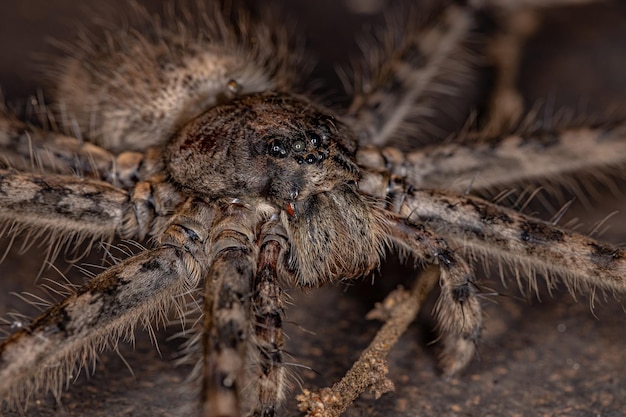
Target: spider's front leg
x,y
242,336
62,204
225,332
268,337
459,314
481,164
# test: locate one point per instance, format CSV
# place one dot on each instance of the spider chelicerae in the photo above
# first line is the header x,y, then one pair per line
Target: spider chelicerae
x,y
248,189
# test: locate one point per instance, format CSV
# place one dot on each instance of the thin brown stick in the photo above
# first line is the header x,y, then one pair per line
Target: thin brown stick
x,y
369,372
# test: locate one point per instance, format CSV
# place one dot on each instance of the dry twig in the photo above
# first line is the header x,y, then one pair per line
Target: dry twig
x,y
369,372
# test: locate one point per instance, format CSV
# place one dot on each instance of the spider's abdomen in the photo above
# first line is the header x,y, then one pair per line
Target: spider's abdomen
x,y
273,145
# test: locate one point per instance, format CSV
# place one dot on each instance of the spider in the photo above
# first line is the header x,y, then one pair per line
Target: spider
x,y
246,188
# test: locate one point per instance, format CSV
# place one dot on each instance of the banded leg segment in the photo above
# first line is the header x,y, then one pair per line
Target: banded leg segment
x,y
228,290
226,333
459,315
487,163
59,207
268,337
29,149
531,246
62,203
48,352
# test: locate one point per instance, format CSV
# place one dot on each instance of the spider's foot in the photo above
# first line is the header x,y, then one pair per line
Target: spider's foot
x,y
457,353
460,323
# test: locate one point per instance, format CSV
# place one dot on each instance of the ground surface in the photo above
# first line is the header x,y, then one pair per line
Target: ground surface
x,y
556,357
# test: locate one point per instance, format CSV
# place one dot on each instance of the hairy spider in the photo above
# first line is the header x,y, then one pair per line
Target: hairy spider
x,y
194,136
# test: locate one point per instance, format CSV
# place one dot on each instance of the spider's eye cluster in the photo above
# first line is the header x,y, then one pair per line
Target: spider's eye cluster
x,y
310,147
267,144
277,148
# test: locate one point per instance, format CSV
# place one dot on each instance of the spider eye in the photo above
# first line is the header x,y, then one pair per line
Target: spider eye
x,y
277,148
299,146
310,159
324,134
315,139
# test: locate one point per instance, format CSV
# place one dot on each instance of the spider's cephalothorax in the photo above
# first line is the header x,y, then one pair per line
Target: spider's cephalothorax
x,y
192,139
299,157
276,146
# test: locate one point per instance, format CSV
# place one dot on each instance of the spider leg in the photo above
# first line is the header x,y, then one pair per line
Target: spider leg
x,y
27,148
407,71
56,208
62,203
458,311
487,163
268,337
227,304
528,244
239,283
47,353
